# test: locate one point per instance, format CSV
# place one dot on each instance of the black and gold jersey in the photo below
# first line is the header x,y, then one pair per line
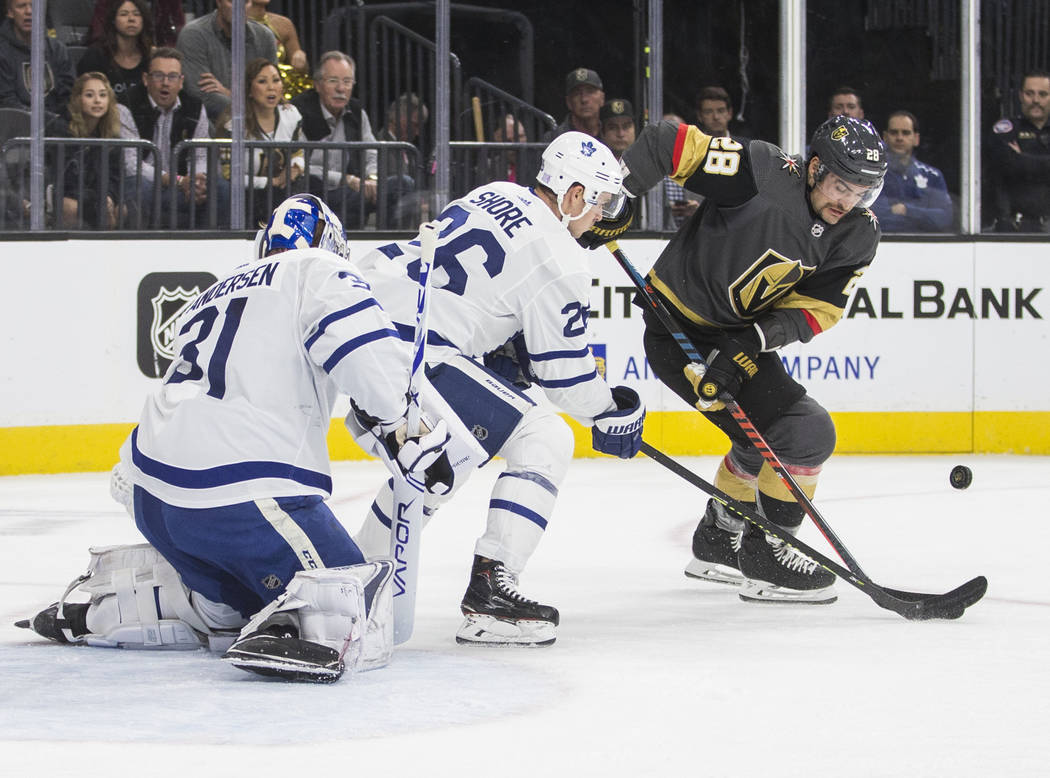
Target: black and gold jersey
x,y
754,252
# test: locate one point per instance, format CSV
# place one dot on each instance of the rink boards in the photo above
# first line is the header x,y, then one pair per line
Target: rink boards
x,y
943,348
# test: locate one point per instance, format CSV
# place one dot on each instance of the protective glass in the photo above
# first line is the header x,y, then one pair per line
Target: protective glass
x,y
844,194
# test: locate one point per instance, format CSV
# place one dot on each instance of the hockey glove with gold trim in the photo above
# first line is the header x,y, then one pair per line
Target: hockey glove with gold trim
x,y
606,230
733,362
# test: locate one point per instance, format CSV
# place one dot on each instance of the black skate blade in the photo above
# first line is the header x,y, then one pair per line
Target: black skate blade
x,y
948,606
23,624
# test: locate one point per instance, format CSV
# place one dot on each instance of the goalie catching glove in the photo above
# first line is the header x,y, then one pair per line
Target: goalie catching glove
x,y
608,229
421,456
733,362
618,432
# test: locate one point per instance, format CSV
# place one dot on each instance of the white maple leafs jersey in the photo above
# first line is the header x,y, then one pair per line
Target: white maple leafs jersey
x,y
504,264
245,407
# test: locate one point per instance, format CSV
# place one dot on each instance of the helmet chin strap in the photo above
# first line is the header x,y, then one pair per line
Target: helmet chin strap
x,y
566,217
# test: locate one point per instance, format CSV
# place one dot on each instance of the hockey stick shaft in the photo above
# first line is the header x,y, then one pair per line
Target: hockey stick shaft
x,y
738,414
910,605
407,521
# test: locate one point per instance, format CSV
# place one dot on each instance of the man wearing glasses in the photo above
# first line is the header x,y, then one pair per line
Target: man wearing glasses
x,y
161,111
347,181
769,258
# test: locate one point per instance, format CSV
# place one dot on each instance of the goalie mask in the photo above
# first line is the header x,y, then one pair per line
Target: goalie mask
x,y
300,222
576,158
852,150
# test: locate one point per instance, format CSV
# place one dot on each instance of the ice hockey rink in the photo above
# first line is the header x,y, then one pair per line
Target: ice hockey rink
x,y
652,674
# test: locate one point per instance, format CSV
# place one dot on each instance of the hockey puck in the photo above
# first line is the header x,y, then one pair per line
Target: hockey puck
x,y
961,477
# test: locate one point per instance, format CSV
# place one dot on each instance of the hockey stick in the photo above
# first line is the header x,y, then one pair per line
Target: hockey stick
x,y
407,522
741,418
915,606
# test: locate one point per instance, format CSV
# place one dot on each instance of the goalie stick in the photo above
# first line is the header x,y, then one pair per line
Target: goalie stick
x,y
916,606
406,525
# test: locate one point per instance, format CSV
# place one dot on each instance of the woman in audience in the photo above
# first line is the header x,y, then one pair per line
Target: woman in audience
x,y
270,174
291,59
123,52
168,18
90,172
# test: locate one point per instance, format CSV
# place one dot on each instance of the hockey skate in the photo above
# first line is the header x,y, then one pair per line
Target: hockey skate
x,y
496,614
277,651
715,549
70,627
776,572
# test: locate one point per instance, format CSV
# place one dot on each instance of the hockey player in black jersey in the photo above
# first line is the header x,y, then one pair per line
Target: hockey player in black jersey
x,y
768,259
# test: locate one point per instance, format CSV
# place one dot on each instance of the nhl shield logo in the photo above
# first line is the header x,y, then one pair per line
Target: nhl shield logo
x,y
168,304
161,298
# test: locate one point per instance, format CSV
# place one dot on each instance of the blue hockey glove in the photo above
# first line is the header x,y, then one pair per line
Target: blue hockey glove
x,y
511,362
619,432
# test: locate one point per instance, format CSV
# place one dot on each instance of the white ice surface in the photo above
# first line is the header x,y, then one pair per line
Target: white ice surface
x,y
653,674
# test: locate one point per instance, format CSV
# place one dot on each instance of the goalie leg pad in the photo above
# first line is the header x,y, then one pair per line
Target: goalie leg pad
x,y
327,621
137,601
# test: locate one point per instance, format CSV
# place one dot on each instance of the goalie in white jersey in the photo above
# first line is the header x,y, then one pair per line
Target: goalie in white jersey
x,y
227,472
508,267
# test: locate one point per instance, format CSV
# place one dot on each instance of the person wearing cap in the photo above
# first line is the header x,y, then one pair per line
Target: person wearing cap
x,y
618,129
769,259
584,97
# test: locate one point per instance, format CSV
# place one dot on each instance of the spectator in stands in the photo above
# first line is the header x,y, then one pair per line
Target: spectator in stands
x,y
404,119
158,109
291,59
584,97
270,174
207,61
519,166
346,180
166,17
15,71
1019,151
714,109
680,203
91,185
914,195
845,101
123,52
618,128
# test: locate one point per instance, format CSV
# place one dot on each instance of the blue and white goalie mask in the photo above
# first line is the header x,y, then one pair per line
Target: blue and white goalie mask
x,y
301,222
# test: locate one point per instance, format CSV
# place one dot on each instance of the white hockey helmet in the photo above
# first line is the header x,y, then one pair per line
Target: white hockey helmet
x,y
577,158
303,221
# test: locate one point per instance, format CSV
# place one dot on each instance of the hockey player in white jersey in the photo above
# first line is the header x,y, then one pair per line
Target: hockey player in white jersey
x,y
227,472
507,267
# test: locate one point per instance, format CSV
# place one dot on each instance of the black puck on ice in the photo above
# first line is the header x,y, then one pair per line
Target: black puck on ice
x,y
961,477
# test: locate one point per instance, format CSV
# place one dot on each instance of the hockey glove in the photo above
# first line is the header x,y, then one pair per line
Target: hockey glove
x,y
607,230
511,362
730,364
421,456
619,432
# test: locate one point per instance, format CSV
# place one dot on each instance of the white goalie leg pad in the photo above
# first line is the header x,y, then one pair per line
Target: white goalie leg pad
x,y
138,601
347,609
538,453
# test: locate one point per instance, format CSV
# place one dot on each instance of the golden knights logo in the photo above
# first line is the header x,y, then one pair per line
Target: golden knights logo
x,y
765,282
791,165
161,299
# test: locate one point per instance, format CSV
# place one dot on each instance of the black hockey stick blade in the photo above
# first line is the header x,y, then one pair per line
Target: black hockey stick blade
x,y
944,606
915,606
